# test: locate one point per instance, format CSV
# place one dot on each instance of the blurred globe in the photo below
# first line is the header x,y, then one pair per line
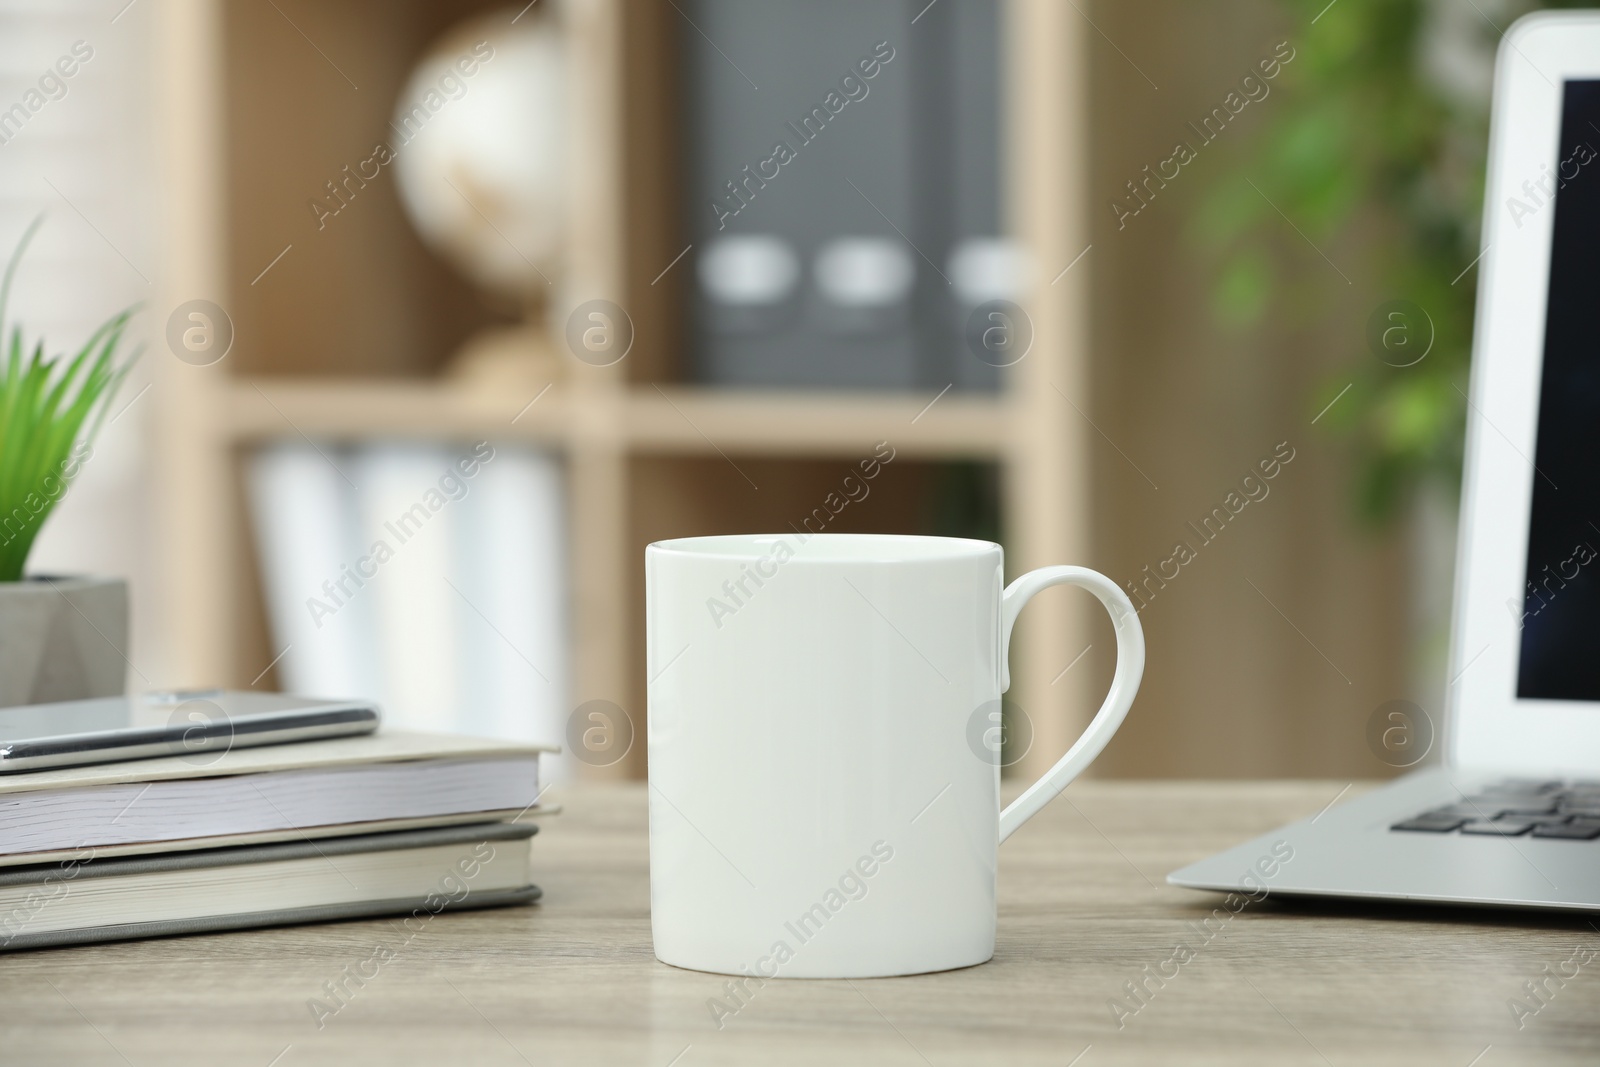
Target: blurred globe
x,y
480,136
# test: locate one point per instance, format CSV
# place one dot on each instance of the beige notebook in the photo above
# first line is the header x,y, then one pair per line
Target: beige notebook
x,y
326,788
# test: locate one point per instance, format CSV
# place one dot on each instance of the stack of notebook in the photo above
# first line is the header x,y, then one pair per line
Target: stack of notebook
x,y
382,824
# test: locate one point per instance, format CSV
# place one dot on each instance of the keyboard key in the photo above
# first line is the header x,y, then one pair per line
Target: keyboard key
x,y
1484,808
1524,785
1586,810
1497,827
1538,807
1431,823
1578,830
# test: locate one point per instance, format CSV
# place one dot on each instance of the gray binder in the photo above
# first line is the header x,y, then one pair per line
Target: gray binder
x,y
889,158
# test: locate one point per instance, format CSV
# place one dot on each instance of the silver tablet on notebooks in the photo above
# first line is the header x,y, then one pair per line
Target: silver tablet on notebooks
x,y
199,723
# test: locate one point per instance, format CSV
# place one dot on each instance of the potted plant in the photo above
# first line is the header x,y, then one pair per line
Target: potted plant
x,y
61,638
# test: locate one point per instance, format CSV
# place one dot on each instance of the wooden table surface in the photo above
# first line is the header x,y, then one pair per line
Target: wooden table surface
x,y
1083,910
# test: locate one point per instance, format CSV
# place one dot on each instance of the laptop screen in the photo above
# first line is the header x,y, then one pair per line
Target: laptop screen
x,y
1560,609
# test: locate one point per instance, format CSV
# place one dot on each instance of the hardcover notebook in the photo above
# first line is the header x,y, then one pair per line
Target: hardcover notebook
x,y
417,873
341,786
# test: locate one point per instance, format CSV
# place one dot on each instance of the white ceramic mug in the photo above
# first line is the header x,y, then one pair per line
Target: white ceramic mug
x,y
824,789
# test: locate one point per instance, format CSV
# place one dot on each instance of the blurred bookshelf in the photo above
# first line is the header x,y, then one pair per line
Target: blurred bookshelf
x,y
255,120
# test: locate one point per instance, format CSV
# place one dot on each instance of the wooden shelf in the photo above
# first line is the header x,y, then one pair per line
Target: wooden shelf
x,y
816,424
246,111
263,410
674,420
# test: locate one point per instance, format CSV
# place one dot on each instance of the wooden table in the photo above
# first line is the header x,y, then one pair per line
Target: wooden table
x,y
1083,910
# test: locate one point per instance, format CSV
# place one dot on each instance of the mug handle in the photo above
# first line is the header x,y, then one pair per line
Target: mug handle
x,y
1124,684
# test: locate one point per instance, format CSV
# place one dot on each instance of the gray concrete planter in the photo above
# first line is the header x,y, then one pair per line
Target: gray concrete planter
x,y
62,639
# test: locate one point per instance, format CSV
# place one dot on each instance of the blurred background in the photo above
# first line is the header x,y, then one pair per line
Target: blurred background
x,y
451,307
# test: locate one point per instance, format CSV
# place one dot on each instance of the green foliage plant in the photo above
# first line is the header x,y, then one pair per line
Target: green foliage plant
x,y
45,405
1370,152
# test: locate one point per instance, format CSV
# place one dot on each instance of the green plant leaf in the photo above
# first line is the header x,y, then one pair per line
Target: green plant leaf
x,y
1383,168
45,405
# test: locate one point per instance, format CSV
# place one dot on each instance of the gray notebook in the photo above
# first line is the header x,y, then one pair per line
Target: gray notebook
x,y
417,874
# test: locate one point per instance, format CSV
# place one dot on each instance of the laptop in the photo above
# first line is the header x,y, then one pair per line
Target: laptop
x,y
1512,817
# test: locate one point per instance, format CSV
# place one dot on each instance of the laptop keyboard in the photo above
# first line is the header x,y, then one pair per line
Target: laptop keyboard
x,y
1517,807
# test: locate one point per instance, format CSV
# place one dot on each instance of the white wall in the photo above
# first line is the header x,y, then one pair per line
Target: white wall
x,y
83,160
